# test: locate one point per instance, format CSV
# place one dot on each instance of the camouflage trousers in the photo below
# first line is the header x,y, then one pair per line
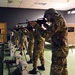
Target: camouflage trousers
x,y
59,61
16,38
16,41
23,43
38,53
30,48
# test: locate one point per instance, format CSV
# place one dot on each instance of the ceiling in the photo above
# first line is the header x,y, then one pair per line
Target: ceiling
x,y
39,4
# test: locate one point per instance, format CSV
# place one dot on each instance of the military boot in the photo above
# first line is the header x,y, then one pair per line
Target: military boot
x,y
41,67
30,61
27,53
33,71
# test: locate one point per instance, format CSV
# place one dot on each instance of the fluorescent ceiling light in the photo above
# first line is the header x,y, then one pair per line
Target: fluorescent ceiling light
x,y
73,12
69,12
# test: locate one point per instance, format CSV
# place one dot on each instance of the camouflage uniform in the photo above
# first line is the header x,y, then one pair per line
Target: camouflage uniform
x,y
58,33
31,44
23,41
30,35
38,46
16,36
38,51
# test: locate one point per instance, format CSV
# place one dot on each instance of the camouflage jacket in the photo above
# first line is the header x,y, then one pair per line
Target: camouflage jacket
x,y
38,34
58,32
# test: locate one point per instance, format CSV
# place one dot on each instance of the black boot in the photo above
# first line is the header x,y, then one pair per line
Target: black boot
x,y
21,53
30,61
41,67
16,46
33,71
27,53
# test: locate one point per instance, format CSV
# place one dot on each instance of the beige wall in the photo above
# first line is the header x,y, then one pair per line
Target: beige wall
x,y
71,35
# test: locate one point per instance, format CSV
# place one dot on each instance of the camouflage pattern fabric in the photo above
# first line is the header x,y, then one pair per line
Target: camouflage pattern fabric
x,y
31,44
23,41
58,33
30,35
38,46
16,37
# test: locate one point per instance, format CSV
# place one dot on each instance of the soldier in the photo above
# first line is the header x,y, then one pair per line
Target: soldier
x,y
38,51
58,33
23,40
16,35
29,32
11,35
30,45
